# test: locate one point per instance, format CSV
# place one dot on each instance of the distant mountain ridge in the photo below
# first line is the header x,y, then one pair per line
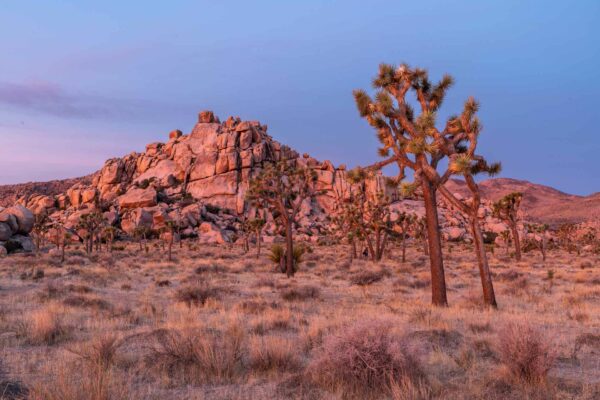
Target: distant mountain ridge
x,y
540,203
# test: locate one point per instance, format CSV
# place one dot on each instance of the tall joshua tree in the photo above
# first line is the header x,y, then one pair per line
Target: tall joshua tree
x,y
507,210
411,140
283,187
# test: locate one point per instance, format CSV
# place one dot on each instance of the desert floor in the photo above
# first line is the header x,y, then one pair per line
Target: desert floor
x,y
218,324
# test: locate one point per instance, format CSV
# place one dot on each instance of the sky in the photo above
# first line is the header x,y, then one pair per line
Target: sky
x,y
83,81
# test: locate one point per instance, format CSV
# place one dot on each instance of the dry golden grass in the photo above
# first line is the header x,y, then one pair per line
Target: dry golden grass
x,y
218,324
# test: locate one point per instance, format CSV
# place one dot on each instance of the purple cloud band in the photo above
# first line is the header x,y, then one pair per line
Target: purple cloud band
x,y
51,99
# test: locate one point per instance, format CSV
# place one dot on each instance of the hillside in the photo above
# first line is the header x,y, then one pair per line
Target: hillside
x,y
540,203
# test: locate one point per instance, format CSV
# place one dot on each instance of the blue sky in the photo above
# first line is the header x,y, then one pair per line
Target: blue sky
x,y
83,81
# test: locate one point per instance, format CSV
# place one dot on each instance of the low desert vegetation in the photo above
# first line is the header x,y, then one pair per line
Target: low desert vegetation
x,y
103,328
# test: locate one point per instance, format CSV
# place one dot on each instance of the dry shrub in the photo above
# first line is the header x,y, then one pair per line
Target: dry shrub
x,y
11,389
51,291
526,352
301,293
273,353
45,326
407,389
518,286
365,278
207,268
198,356
264,282
80,380
586,339
274,320
87,302
196,294
508,276
100,352
364,360
439,338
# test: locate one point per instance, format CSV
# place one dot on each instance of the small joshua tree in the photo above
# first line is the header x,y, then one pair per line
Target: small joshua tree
x,y
141,233
539,232
60,236
507,210
405,222
109,233
91,225
505,235
566,237
420,232
283,186
40,228
363,215
346,215
256,225
169,232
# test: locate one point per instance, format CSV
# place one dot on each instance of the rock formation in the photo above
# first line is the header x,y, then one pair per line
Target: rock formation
x,y
15,224
200,180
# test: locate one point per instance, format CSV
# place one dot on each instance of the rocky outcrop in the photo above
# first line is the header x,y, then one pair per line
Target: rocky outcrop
x,y
15,224
200,180
22,192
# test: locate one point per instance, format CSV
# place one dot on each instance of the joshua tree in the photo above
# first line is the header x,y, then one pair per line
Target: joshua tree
x,y
414,141
60,236
505,235
405,222
540,238
40,227
346,215
256,225
363,215
283,187
507,210
420,232
109,234
91,224
566,237
169,232
464,161
141,234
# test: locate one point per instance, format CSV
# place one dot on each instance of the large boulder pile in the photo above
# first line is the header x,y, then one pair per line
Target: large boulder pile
x,y
15,224
200,179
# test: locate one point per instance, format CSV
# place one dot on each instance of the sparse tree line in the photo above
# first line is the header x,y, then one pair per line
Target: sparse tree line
x,y
403,111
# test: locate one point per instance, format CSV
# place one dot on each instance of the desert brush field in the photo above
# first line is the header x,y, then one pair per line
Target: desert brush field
x,y
218,323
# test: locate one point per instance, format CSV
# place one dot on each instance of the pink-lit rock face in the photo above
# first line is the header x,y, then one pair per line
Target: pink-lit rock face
x,y
203,177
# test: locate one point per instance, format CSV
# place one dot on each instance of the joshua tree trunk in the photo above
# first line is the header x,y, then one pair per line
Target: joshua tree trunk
x,y
289,242
62,253
371,249
353,250
171,246
515,235
258,243
543,247
403,246
484,270
438,280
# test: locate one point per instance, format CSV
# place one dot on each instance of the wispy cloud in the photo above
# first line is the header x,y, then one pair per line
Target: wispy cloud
x,y
51,99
